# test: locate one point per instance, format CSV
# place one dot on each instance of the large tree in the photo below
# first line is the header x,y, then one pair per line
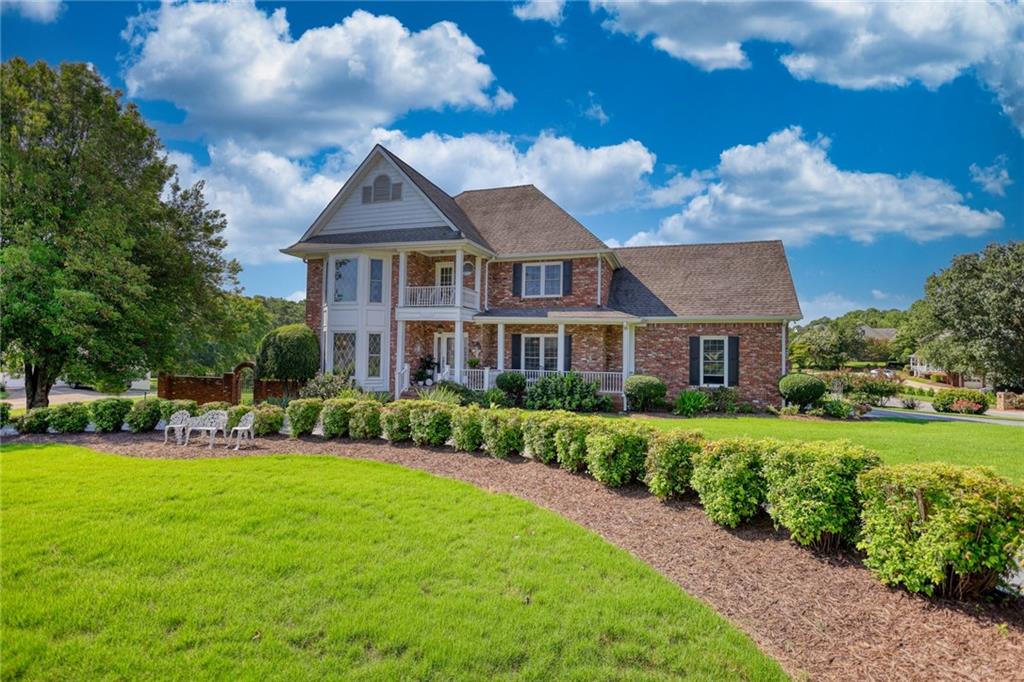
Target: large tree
x,y
108,266
826,343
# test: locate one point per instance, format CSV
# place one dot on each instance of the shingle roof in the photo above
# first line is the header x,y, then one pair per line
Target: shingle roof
x,y
741,279
411,234
523,220
554,314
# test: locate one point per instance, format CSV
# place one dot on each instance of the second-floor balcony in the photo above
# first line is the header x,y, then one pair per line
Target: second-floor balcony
x,y
439,296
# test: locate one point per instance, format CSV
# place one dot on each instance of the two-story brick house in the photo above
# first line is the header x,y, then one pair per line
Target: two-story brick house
x,y
398,270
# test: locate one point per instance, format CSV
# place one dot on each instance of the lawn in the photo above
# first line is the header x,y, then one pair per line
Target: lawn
x,y
898,441
294,567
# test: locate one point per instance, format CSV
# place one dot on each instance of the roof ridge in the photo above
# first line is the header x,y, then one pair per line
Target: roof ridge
x,y
492,189
663,246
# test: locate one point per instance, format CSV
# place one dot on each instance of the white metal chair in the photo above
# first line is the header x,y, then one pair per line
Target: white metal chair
x,y
244,429
209,423
177,423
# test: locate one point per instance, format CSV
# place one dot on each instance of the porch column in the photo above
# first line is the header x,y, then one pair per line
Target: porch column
x,y
459,350
457,281
625,362
476,281
561,346
402,268
399,356
501,346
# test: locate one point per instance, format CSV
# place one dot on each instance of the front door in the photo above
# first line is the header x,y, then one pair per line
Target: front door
x,y
444,351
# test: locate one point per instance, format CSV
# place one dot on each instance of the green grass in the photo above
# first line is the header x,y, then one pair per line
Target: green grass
x,y
898,441
292,567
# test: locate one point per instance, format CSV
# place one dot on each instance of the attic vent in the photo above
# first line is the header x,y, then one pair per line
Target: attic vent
x,y
396,191
382,189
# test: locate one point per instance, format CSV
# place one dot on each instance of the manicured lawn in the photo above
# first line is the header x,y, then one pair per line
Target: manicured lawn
x,y
898,441
295,567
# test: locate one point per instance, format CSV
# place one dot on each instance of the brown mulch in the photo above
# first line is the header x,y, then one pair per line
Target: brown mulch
x,y
820,616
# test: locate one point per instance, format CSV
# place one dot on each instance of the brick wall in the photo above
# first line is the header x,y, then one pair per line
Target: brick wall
x,y
663,350
315,295
606,282
584,287
201,389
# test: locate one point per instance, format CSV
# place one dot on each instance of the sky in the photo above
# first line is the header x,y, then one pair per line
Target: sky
x,y
876,140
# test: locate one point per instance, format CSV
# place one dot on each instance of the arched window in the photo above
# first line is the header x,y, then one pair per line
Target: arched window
x,y
382,188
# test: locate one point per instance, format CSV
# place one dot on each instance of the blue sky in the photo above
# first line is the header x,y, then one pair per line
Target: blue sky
x,y
876,141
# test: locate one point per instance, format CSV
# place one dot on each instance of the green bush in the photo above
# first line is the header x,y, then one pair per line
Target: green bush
x,y
494,397
144,414
443,394
5,414
214,405
269,419
303,414
364,420
326,386
335,416
801,389
169,407
502,430
669,462
395,420
691,402
721,399
811,489
36,420
513,385
288,353
108,414
872,390
235,414
837,408
566,392
69,417
467,429
944,400
430,422
644,392
571,442
539,429
937,528
616,451
727,477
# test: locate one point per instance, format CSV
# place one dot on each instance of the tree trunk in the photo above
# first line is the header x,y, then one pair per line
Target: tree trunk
x,y
38,382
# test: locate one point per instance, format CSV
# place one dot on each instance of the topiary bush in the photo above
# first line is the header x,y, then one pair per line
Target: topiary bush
x,y
430,422
669,462
571,442
945,399
108,414
502,431
169,407
214,405
616,451
467,429
644,392
727,477
144,415
303,414
335,416
290,353
691,402
69,417
269,419
513,385
566,392
539,429
811,490
940,529
325,386
364,420
801,389
394,419
36,420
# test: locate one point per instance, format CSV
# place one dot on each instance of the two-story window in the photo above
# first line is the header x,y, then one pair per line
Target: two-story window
x,y
542,279
346,280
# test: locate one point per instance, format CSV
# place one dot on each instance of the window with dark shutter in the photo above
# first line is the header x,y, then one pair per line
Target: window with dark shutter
x,y
567,361
566,277
517,279
694,378
517,351
734,361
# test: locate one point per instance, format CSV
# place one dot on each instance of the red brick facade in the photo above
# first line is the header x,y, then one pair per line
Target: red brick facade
x,y
584,287
315,295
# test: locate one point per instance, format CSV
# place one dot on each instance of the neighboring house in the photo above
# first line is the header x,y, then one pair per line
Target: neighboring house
x,y
398,270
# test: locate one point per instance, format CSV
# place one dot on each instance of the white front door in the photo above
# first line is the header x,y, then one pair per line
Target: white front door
x,y
444,350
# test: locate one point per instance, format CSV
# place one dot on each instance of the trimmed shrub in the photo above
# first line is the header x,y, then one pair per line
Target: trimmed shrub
x,y
567,392
940,529
395,420
616,452
571,442
727,477
144,414
539,429
288,353
644,392
811,490
5,414
169,407
269,419
326,386
801,389
669,462
303,414
690,402
36,420
502,431
467,429
944,400
513,385
837,408
364,420
108,414
335,416
69,417
494,397
430,422
214,405
874,391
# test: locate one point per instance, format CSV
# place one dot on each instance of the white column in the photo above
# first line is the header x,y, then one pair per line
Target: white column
x,y
459,350
476,281
402,268
561,346
457,281
501,346
625,362
399,355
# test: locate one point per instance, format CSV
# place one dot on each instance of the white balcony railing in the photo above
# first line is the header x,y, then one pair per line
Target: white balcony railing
x,y
439,296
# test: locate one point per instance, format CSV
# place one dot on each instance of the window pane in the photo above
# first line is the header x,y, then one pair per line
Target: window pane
x,y
531,280
713,358
446,275
373,361
345,353
551,353
553,280
376,280
531,352
346,277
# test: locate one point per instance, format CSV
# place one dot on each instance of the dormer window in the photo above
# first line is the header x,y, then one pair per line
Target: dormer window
x,y
382,189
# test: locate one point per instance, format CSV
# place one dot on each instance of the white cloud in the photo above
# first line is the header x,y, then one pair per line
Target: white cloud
x,y
43,11
238,73
596,112
550,11
297,296
680,187
829,304
787,188
879,295
856,45
993,179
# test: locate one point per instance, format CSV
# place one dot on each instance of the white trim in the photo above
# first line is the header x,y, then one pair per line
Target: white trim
x,y
448,245
561,346
501,346
600,283
522,351
544,265
725,359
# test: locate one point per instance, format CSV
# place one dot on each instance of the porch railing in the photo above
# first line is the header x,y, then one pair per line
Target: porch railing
x,y
439,296
482,379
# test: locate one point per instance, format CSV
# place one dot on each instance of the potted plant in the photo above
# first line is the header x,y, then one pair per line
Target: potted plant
x,y
473,363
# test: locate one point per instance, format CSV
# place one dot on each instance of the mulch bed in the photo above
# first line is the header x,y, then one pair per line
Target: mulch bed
x,y
820,616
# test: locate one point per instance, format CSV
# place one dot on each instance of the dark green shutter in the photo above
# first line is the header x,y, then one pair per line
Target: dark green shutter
x,y
733,376
517,279
567,361
517,348
566,277
694,360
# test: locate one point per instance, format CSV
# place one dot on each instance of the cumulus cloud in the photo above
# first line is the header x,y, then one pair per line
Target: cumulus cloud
x,y
879,295
855,45
43,11
550,11
237,72
829,304
679,187
787,188
993,179
297,296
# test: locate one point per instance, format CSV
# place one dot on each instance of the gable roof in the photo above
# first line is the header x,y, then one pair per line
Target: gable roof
x,y
740,280
523,220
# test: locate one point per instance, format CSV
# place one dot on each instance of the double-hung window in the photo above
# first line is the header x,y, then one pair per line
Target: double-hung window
x,y
540,352
542,279
712,360
376,280
346,279
373,359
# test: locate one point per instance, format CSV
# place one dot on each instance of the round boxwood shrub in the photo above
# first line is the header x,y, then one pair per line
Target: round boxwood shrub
x,y
513,385
616,452
539,429
727,477
962,400
144,414
644,392
36,420
467,429
430,422
394,419
69,417
669,462
214,405
269,419
364,420
335,416
108,414
303,414
169,407
801,389
502,431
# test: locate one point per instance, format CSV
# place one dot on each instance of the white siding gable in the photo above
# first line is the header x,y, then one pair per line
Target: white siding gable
x,y
412,210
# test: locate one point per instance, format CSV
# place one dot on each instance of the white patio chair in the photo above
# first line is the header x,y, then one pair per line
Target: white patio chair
x,y
244,429
209,423
177,423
